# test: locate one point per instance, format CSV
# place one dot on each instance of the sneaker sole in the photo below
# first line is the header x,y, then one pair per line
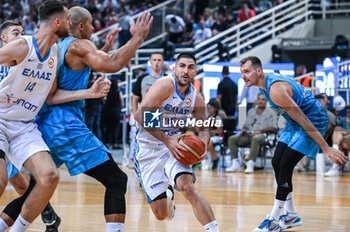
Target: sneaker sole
x,y
284,227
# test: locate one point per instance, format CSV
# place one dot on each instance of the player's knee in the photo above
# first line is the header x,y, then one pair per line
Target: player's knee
x,y
187,190
160,213
120,183
232,139
49,179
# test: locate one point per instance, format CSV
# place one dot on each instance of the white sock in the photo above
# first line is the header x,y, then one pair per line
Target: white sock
x,y
289,204
114,227
277,209
336,146
3,225
335,166
211,227
20,224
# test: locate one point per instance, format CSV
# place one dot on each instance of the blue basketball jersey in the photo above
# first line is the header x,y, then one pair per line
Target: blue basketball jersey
x,y
302,97
294,135
62,126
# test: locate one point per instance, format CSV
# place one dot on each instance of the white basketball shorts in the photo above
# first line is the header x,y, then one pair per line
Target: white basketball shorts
x,y
156,168
20,140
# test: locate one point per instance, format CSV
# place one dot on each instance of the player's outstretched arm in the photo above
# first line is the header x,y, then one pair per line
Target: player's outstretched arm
x,y
158,93
111,63
99,89
14,52
281,94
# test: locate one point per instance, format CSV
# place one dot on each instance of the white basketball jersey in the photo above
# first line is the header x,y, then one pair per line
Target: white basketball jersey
x,y
26,85
173,110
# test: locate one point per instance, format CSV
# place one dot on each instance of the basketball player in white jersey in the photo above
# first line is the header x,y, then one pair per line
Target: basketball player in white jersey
x,y
29,82
9,31
155,161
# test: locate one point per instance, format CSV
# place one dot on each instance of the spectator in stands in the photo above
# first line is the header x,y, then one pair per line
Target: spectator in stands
x,y
230,21
201,34
264,5
97,25
175,26
208,18
260,121
112,115
124,23
341,140
214,109
188,33
245,13
305,81
250,94
227,93
93,109
220,24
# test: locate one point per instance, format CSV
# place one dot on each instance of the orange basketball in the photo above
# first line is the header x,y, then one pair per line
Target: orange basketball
x,y
195,148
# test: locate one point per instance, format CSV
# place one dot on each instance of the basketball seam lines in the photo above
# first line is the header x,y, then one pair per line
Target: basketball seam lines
x,y
182,143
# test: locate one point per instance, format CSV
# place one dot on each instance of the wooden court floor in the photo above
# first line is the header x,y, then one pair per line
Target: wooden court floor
x,y
239,201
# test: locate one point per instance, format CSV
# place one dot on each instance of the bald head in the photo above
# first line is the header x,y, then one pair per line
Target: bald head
x,y
78,15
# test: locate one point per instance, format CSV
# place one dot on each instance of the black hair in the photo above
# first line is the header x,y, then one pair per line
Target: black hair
x,y
186,55
225,70
9,23
319,96
50,8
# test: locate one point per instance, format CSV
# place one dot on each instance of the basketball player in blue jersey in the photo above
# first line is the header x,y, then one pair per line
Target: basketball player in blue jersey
x,y
30,81
75,145
9,31
157,149
303,135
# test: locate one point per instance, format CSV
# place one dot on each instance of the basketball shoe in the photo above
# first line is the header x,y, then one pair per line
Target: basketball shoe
x,y
51,220
170,196
288,220
269,224
235,167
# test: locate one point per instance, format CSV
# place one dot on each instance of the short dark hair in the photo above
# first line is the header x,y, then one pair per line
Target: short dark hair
x,y
186,55
157,53
9,23
324,95
50,8
256,62
347,107
214,102
319,96
225,70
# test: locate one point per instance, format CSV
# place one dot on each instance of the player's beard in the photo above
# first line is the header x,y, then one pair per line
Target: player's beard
x,y
179,81
62,32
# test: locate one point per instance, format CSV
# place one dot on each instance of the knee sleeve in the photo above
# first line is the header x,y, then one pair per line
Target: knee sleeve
x,y
115,195
13,209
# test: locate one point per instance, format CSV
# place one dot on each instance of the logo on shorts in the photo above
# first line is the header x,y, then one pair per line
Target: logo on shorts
x,y
151,119
51,61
